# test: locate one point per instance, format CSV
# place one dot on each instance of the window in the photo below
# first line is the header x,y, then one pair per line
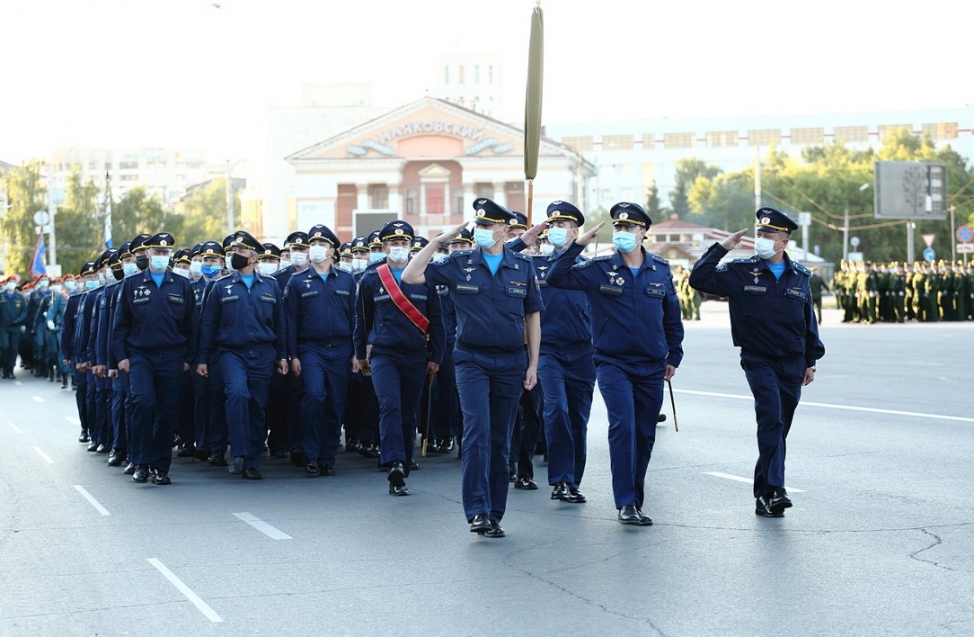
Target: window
x,y
678,140
476,74
378,196
128,165
446,74
434,199
947,130
580,144
717,139
484,189
763,136
461,74
649,141
412,201
490,74
851,134
807,135
888,129
617,142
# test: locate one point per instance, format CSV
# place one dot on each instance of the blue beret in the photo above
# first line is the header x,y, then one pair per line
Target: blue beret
x,y
772,220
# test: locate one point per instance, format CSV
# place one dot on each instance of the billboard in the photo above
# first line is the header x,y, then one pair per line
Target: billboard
x,y
910,190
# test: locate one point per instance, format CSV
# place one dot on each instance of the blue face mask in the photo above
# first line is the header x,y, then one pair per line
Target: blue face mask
x,y
130,269
375,257
158,263
624,241
484,238
558,237
91,285
210,271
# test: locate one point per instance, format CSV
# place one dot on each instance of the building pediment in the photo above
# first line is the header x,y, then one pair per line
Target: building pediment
x,y
429,127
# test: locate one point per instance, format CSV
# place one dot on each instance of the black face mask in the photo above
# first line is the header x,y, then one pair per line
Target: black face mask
x,y
238,261
118,274
142,261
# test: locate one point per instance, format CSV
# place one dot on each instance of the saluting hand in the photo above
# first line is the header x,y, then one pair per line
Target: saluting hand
x,y
731,242
446,237
530,238
588,236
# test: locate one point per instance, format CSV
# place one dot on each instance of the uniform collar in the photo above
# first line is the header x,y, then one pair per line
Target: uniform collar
x,y
617,261
507,258
147,276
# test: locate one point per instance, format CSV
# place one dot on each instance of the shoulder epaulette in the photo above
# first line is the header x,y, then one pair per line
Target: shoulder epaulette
x,y
660,259
222,276
800,268
523,257
591,261
461,253
753,259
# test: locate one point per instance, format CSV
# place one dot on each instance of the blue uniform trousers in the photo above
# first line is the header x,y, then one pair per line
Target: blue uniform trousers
x,y
9,341
527,430
490,386
398,378
154,391
246,377
277,420
325,370
201,410
120,410
633,395
568,381
103,409
91,407
185,409
776,387
294,392
217,436
81,398
446,417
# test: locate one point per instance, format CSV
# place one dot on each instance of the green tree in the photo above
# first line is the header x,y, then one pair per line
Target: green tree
x,y
654,206
26,195
136,212
79,223
205,213
687,171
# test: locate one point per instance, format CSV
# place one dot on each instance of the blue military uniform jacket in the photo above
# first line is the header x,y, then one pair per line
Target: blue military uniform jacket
x,y
156,320
635,319
13,309
490,309
567,318
378,321
319,310
237,318
771,318
68,327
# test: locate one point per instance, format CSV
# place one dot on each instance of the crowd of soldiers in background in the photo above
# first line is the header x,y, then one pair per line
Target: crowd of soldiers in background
x,y
29,320
899,292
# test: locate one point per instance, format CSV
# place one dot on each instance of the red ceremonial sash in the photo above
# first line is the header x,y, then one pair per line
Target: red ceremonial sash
x,y
405,305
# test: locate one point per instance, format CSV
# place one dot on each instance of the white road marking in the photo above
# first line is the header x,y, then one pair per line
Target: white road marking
x,y
263,527
73,420
185,590
727,476
41,453
808,403
15,427
92,500
18,383
37,399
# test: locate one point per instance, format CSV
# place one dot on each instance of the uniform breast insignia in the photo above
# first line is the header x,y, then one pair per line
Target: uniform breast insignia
x,y
758,289
656,284
796,292
756,273
660,259
519,283
228,288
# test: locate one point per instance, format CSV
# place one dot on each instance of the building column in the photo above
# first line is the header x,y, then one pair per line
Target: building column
x,y
395,199
422,201
362,190
500,195
468,198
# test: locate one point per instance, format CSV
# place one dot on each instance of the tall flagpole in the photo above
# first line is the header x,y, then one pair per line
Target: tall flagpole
x,y
108,209
52,255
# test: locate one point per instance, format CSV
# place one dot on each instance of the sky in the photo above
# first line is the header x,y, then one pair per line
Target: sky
x,y
188,75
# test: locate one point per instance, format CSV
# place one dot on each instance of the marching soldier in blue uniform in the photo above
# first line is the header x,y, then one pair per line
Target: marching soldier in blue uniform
x,y
498,306
97,377
773,322
320,315
153,339
632,359
69,352
209,255
13,314
361,408
243,324
399,341
566,368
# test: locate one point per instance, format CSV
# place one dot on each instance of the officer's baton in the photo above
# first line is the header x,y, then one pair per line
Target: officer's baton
x,y
676,423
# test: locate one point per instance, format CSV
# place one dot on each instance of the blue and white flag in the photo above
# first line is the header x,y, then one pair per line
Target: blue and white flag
x,y
37,267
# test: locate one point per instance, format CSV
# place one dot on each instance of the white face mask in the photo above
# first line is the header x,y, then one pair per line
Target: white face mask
x,y
196,268
345,266
546,249
101,277
9,287
317,253
55,288
285,263
299,259
439,257
183,272
266,268
764,247
484,238
375,257
359,265
398,254
70,286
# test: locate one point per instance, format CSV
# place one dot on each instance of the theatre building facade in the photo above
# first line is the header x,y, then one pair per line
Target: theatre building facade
x,y
425,162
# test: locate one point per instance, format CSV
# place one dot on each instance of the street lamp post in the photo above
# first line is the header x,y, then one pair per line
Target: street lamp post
x,y
845,226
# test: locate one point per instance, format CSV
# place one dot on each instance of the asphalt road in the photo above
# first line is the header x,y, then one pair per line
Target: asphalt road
x,y
879,542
